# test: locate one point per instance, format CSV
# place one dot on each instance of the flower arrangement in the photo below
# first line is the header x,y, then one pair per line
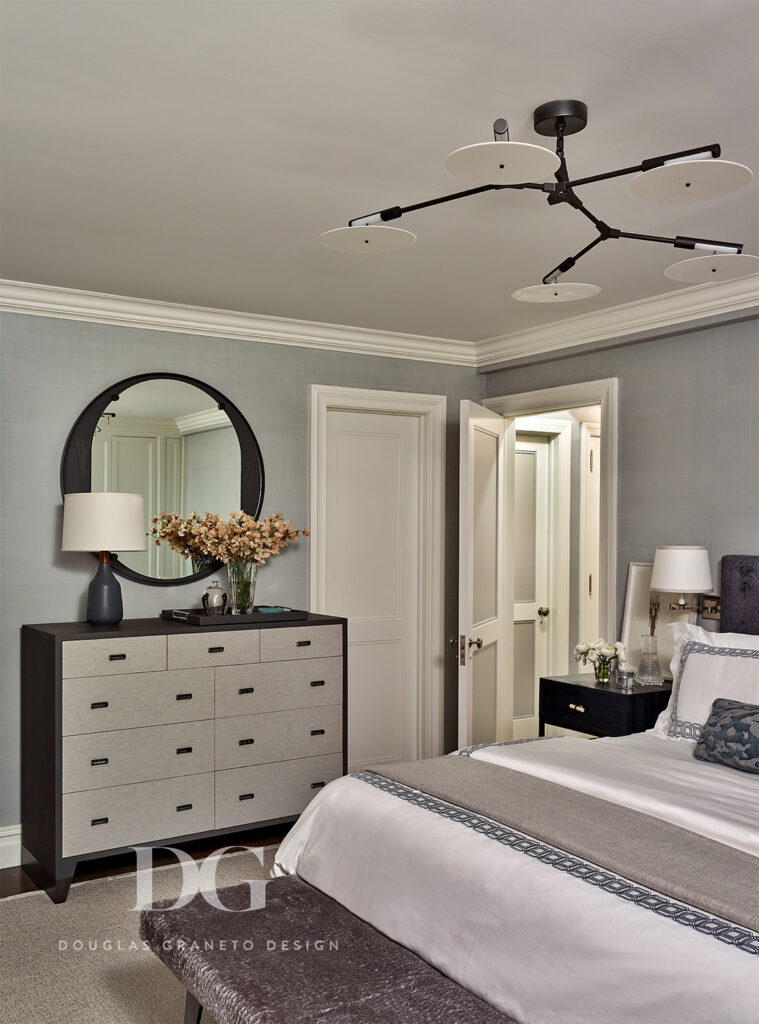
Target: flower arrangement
x,y
241,542
601,654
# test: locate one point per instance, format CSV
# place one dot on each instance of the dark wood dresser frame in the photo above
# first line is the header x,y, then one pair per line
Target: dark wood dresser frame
x,y
42,740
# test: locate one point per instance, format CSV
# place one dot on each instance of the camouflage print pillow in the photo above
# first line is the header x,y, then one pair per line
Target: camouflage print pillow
x,y
731,736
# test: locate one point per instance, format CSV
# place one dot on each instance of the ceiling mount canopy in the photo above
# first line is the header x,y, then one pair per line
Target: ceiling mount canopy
x,y
692,175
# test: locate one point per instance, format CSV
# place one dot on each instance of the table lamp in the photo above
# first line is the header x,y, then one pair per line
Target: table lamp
x,y
102,523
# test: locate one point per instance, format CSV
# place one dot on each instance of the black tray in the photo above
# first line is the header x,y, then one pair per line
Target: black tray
x,y
198,617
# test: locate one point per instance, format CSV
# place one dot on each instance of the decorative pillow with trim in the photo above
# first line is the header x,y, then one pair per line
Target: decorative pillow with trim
x,y
706,674
683,633
731,736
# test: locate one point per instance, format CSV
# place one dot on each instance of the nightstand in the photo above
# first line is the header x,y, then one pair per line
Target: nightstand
x,y
579,702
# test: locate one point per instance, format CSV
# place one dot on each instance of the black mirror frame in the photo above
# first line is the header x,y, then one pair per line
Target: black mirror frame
x,y
76,464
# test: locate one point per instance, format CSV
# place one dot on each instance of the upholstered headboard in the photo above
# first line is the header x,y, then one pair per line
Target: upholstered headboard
x,y
740,594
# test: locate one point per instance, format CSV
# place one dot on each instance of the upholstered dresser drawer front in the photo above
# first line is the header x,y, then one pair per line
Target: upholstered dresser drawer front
x,y
113,656
104,703
287,644
272,790
278,736
278,686
228,647
101,759
105,819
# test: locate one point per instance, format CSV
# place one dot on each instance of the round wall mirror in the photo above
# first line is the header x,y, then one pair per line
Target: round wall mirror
x,y
181,444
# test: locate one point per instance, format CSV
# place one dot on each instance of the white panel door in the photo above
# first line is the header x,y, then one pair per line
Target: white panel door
x,y
590,514
371,573
531,608
484,645
134,470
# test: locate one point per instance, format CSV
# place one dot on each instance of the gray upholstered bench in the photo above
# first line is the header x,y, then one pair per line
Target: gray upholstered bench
x,y
246,968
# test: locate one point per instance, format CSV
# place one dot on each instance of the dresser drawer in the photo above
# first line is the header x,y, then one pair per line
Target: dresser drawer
x,y
102,759
111,657
272,790
580,708
278,686
227,647
102,703
286,644
105,819
278,736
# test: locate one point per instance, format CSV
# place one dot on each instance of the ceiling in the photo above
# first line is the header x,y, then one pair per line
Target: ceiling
x,y
193,152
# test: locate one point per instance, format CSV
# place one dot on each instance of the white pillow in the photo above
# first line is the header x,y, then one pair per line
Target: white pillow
x,y
683,633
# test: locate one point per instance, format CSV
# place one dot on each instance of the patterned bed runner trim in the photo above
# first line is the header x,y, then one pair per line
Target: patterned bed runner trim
x,y
647,899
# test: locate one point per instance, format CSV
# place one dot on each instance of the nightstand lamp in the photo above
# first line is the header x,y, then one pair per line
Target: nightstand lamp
x,y
102,523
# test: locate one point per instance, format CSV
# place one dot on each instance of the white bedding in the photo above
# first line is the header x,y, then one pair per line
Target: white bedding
x,y
542,945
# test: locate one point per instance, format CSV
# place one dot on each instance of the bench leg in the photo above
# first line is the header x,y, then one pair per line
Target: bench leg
x,y
192,1010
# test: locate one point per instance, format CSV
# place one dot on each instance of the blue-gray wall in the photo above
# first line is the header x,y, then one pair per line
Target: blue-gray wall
x,y
688,437
51,368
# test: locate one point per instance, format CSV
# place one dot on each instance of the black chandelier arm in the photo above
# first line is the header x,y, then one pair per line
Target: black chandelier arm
x,y
713,151
684,242
570,261
394,212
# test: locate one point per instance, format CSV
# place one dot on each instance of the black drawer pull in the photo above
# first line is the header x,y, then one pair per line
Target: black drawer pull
x,y
117,657
184,750
246,796
317,682
317,732
184,807
317,785
303,643
215,650
98,760
246,689
246,743
99,821
184,696
99,704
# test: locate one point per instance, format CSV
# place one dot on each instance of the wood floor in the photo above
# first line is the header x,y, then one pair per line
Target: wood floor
x,y
14,881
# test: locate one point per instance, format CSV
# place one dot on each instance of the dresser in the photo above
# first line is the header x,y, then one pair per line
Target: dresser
x,y
153,731
601,709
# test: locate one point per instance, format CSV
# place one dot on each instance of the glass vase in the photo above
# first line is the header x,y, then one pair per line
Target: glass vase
x,y
603,669
242,586
649,670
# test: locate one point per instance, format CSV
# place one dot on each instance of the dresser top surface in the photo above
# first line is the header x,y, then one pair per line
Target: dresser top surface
x,y
165,627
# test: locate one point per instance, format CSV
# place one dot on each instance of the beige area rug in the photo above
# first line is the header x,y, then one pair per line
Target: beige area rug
x,y
44,981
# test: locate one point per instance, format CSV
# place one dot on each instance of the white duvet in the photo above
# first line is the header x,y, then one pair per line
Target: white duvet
x,y
540,944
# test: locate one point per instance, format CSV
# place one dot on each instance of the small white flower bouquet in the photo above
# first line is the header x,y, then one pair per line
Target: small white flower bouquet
x,y
601,654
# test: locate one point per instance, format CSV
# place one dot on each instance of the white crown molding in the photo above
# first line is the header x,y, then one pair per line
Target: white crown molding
x,y
657,312
206,419
10,846
651,314
120,311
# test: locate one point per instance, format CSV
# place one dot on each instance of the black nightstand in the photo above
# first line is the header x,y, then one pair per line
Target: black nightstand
x,y
579,702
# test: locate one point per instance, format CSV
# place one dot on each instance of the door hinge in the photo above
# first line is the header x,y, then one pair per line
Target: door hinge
x,y
591,460
590,584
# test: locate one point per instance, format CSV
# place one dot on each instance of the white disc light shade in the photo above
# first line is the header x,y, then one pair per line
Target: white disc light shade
x,y
720,267
690,181
370,238
555,292
502,163
681,570
104,522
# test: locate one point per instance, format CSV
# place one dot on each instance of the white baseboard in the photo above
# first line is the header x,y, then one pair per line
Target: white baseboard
x,y
10,846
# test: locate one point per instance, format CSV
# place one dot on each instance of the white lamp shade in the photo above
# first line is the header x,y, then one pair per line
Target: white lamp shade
x,y
681,570
104,522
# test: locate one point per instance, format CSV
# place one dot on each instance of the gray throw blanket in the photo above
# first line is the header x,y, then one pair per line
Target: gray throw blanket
x,y
648,851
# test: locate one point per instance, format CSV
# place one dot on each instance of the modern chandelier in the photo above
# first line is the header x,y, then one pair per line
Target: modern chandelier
x,y
691,176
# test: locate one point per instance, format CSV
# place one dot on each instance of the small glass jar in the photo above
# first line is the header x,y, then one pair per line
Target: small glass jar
x,y
214,599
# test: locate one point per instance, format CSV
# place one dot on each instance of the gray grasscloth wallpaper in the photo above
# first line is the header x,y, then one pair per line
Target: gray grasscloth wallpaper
x,y
52,368
688,438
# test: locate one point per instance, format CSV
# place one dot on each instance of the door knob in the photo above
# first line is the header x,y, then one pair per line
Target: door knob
x,y
544,612
475,642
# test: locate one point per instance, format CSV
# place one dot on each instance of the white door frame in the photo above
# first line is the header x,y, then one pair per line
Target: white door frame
x,y
430,410
559,433
572,396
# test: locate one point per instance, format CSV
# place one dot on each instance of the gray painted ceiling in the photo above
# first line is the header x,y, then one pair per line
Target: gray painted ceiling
x,y
192,152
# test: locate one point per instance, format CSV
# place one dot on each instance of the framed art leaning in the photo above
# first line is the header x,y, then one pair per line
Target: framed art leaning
x,y
635,622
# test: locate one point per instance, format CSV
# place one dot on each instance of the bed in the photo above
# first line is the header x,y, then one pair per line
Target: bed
x,y
563,879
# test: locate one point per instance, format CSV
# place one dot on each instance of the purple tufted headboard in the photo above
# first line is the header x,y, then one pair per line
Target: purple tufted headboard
x,y
740,594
